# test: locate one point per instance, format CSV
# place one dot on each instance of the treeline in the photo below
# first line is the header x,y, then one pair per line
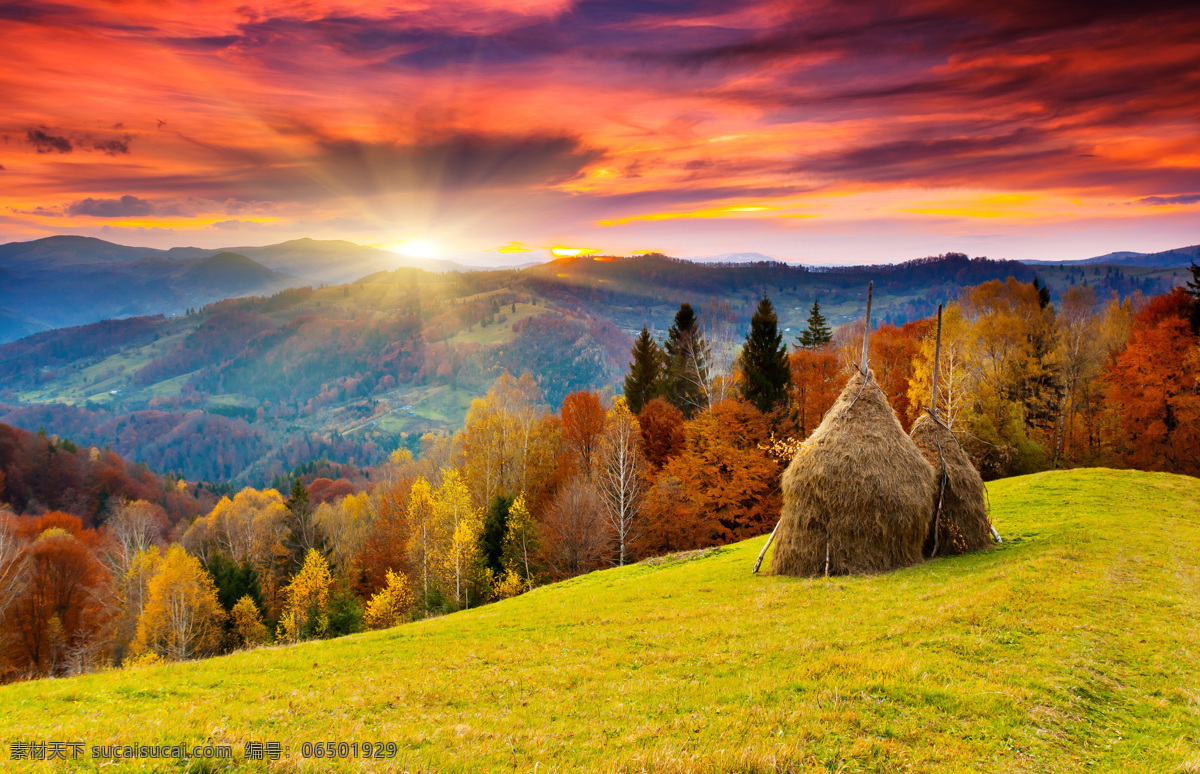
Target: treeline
x,y
40,472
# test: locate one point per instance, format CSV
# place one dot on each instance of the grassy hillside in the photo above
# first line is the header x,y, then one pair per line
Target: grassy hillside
x,y
1073,646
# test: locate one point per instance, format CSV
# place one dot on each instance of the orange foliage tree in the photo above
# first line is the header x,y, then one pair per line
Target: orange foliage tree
x,y
730,484
583,418
53,625
816,381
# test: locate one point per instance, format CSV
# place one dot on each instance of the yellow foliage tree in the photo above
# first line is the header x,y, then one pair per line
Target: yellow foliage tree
x,y
462,561
521,543
250,527
132,591
347,525
954,376
509,584
182,617
305,598
391,604
248,627
424,537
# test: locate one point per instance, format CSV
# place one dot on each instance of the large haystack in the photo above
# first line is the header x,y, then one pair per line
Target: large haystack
x,y
962,524
857,497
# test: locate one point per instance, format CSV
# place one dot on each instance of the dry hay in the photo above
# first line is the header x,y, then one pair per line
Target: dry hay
x,y
962,525
857,497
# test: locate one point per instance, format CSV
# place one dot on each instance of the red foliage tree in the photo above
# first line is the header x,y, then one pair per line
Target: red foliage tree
x,y
324,490
816,381
1154,387
662,432
892,351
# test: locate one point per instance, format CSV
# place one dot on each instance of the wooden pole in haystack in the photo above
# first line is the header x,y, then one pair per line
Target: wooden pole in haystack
x,y
937,365
867,331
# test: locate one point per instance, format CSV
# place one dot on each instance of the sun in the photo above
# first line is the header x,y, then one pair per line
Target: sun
x,y
414,247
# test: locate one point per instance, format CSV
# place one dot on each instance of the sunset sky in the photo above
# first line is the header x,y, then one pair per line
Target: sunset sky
x,y
824,132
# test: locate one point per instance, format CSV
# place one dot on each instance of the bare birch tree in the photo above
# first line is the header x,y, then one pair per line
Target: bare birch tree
x,y
12,563
620,477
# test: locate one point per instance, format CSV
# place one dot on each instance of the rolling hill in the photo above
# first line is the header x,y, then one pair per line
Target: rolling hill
x,y
352,371
1180,257
1071,647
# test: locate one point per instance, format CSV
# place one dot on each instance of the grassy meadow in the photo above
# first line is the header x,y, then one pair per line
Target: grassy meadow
x,y
1074,646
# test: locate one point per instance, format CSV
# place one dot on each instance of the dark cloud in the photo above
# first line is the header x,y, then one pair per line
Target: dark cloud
x,y
111,147
49,212
47,140
126,206
917,158
1178,199
44,142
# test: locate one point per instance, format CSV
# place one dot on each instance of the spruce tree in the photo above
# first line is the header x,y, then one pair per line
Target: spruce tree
x,y
495,527
818,331
685,362
1193,288
765,372
645,372
303,534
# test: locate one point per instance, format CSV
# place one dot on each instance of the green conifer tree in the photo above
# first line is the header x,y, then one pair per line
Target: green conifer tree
x,y
765,372
644,381
818,331
1193,288
685,362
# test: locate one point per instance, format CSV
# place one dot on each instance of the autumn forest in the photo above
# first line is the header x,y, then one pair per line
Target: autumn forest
x,y
106,562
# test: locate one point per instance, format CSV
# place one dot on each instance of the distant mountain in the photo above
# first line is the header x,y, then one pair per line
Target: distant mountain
x,y
54,291
59,252
15,325
1180,257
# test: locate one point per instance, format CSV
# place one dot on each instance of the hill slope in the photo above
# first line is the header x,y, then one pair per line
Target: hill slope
x,y
1071,647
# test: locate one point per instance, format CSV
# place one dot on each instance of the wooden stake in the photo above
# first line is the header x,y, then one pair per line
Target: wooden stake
x,y
867,331
763,552
937,363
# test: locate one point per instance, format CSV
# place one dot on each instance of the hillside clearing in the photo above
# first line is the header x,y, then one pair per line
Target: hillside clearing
x,y
1073,646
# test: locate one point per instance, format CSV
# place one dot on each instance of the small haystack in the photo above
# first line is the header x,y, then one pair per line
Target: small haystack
x,y
960,520
857,497
960,525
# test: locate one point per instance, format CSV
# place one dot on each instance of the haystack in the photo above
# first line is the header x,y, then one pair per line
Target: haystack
x,y
961,523
857,497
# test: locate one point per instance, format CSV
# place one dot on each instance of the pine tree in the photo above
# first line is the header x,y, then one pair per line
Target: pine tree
x,y
1193,289
645,372
765,372
1043,291
495,527
685,362
818,331
303,533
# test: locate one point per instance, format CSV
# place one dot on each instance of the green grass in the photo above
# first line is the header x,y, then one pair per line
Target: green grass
x,y
1072,647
